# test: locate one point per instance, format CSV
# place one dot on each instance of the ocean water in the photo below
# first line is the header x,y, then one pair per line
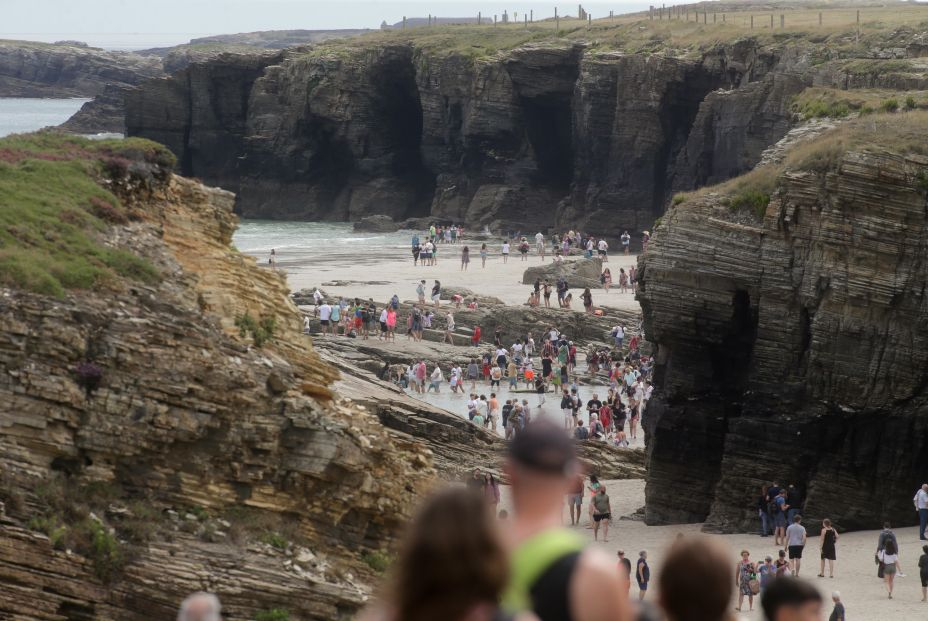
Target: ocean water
x,y
305,243
19,114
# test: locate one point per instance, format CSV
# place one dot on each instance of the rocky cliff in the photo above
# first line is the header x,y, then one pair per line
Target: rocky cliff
x,y
167,428
788,311
511,128
29,69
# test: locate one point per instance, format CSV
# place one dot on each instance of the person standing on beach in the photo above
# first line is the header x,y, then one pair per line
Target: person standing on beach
x,y
551,572
603,249
465,258
435,380
540,244
828,538
890,559
449,329
626,242
645,238
837,613
744,574
325,314
420,291
606,279
886,535
587,298
921,506
602,514
483,255
506,251
436,293
416,249
642,574
795,542
923,572
623,280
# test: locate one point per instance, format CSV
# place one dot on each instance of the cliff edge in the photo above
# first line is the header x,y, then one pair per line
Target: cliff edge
x,y
788,310
165,426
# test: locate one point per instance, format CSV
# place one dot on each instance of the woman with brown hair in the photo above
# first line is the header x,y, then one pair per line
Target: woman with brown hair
x,y
695,583
452,565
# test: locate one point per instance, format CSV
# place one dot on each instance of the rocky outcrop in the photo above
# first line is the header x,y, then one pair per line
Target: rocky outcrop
x,y
542,136
30,69
164,395
578,274
791,346
377,224
105,113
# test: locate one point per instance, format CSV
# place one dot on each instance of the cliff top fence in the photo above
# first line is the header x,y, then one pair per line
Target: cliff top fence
x,y
714,19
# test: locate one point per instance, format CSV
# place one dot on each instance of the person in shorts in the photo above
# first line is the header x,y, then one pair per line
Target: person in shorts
x,y
795,542
602,513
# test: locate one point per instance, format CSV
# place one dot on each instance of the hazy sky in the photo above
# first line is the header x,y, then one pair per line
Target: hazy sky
x,y
141,23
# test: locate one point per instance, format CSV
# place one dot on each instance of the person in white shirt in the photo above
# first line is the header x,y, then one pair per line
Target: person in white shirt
x,y
540,244
603,248
618,333
472,407
306,324
505,251
921,506
317,297
436,379
626,242
325,313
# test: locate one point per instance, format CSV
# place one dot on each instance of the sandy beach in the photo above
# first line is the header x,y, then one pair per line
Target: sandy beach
x,y
502,280
862,592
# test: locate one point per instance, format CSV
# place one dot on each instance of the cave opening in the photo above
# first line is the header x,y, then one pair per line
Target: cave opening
x,y
399,124
549,127
731,360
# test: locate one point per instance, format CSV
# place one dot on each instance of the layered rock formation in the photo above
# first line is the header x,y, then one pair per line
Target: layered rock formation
x,y
165,395
30,69
792,346
541,135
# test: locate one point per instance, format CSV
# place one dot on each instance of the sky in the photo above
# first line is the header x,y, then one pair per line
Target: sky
x,y
131,24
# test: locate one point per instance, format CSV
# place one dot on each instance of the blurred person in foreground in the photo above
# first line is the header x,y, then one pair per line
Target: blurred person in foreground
x,y
791,599
452,566
696,582
200,607
552,572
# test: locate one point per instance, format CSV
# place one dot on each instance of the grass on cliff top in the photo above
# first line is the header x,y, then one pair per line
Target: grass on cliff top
x,y
817,102
900,132
54,211
835,39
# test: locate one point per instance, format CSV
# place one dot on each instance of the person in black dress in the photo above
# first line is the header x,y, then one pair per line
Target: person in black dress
x,y
828,538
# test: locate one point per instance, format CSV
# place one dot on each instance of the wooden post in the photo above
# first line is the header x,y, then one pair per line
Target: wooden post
x,y
430,19
479,18
723,18
858,25
782,20
661,16
820,18
494,19
771,21
531,16
404,22
589,22
752,22
715,18
526,20
611,16
557,23
705,17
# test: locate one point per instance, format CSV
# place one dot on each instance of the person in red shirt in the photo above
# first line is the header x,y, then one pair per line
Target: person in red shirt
x,y
475,338
605,417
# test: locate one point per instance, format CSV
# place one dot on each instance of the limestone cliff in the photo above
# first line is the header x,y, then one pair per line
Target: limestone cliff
x,y
179,433
512,128
791,334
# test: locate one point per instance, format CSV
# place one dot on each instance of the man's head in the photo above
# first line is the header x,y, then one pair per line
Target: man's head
x,y
886,526
797,519
200,607
925,487
789,599
579,423
696,581
540,464
836,596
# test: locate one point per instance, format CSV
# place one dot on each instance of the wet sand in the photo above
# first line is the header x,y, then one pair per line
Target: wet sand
x,y
863,594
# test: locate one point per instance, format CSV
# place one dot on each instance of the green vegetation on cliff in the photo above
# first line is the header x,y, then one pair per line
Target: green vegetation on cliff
x,y
58,198
898,129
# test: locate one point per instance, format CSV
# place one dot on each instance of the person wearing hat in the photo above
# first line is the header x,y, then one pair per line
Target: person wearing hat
x,y
552,572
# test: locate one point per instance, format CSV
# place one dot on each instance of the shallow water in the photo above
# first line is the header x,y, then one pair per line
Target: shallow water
x,y
19,114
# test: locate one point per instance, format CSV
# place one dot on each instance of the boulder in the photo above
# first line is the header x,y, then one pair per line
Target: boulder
x,y
377,224
579,274
469,295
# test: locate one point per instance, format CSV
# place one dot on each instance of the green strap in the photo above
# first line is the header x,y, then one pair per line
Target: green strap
x,y
531,559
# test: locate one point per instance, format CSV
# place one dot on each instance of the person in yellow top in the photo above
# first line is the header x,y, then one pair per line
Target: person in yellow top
x,y
552,572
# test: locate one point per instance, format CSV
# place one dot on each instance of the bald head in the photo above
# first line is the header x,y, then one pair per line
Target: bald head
x,y
200,607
